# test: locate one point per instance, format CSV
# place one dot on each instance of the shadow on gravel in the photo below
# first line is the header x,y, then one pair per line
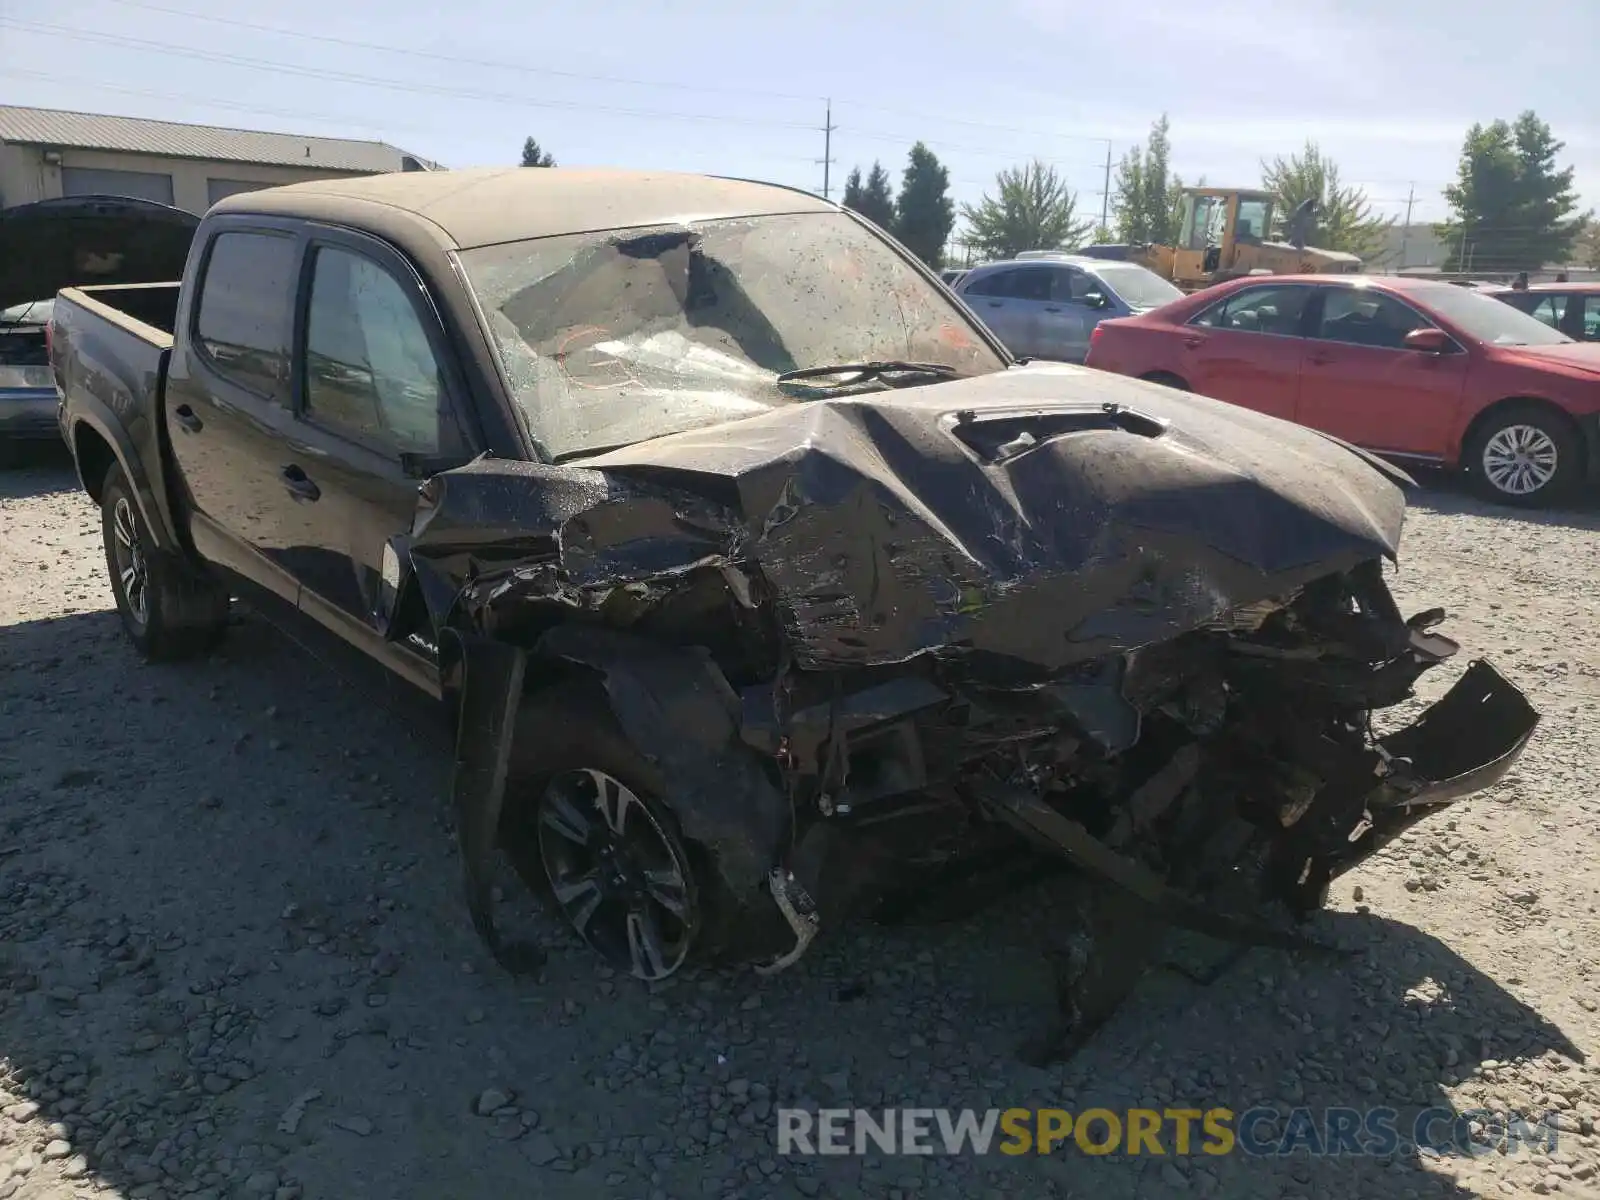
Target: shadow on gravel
x,y
1445,493
36,470
234,961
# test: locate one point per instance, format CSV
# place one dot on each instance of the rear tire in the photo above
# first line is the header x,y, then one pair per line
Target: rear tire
x,y
1524,455
572,770
168,613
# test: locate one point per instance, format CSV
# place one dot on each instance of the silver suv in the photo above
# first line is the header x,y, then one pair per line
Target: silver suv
x,y
1045,306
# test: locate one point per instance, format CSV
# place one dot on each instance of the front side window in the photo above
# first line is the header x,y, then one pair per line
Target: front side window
x,y
1361,317
1204,222
1550,309
1258,310
1254,222
1591,318
617,337
1070,285
244,317
370,370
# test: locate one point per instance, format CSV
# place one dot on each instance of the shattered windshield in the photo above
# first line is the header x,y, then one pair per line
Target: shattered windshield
x,y
617,337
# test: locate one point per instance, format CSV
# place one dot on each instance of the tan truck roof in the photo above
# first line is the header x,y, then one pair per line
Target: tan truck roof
x,y
485,206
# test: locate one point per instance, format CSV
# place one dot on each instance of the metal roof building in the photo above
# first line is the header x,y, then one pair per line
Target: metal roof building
x,y
45,153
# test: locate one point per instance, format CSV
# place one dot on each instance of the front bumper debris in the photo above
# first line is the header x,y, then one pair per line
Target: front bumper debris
x,y
1465,742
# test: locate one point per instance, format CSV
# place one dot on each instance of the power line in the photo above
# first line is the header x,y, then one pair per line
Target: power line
x,y
524,68
293,113
239,60
459,60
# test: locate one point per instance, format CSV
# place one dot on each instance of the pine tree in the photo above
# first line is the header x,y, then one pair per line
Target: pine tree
x,y
924,212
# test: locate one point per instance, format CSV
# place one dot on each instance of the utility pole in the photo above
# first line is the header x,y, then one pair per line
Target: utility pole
x,y
827,148
1105,196
1405,230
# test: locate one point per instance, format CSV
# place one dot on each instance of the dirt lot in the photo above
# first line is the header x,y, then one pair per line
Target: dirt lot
x,y
235,961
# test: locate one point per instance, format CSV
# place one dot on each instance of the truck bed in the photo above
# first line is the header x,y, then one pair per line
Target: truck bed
x,y
148,311
110,346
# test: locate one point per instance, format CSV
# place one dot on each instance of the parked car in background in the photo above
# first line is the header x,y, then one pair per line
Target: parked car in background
x,y
27,392
1573,308
952,275
1045,306
1411,369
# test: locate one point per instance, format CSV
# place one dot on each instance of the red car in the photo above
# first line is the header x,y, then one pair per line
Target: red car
x,y
1408,368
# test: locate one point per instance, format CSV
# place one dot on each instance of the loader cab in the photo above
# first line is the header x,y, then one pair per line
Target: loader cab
x,y
1215,222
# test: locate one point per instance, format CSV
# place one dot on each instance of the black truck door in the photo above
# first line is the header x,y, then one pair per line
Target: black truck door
x,y
376,392
229,400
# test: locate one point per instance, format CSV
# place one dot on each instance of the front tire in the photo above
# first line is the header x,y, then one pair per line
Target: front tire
x,y
168,615
586,825
1526,456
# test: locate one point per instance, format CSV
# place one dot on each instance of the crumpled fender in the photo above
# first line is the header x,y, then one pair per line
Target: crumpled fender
x,y
676,707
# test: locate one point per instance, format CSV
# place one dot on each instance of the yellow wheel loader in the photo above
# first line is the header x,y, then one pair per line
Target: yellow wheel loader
x,y
1226,233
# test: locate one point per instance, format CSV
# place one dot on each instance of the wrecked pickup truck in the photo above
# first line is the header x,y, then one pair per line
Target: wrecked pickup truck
x,y
767,587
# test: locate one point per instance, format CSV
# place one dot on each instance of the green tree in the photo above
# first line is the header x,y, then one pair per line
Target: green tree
x,y
872,198
852,190
924,212
534,156
1512,208
1146,194
1035,210
1342,219
1588,248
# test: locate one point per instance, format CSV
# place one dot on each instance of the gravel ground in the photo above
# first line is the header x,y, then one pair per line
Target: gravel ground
x,y
234,960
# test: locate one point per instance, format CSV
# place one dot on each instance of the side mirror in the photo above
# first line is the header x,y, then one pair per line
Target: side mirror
x,y
1096,300
1428,341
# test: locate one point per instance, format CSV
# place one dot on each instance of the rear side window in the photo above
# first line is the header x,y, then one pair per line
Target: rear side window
x,y
244,319
1258,310
1023,283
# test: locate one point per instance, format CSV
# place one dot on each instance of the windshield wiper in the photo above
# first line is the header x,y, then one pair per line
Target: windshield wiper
x,y
863,371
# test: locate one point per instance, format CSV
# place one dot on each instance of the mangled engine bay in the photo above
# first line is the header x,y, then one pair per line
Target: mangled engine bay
x,y
879,648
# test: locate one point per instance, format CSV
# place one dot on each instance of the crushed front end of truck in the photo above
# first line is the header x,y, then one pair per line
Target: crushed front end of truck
x,y
875,645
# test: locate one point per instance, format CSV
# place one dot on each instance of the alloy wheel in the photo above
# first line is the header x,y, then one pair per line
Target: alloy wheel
x,y
1520,459
622,880
133,571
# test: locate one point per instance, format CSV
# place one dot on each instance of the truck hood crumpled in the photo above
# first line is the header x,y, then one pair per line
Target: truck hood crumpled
x,y
1018,522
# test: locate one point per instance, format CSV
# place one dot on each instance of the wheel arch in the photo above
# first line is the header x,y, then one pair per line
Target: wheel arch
x,y
95,449
94,456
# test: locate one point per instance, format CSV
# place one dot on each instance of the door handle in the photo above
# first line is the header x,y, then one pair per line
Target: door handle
x,y
185,417
994,304
1194,342
1051,308
299,484
1319,359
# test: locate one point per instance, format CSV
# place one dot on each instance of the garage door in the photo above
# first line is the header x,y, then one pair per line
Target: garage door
x,y
216,189
89,181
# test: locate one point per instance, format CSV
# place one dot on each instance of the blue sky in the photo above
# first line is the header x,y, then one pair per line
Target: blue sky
x,y
1386,88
